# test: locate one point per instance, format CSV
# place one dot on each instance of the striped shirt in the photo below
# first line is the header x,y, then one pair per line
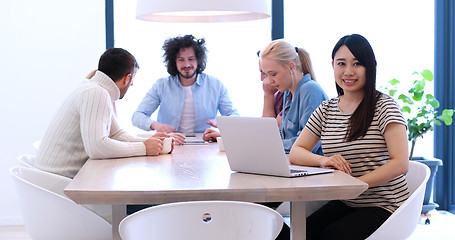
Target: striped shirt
x,y
84,127
365,154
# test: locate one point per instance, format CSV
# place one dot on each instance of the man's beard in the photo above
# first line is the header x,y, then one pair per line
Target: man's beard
x,y
187,76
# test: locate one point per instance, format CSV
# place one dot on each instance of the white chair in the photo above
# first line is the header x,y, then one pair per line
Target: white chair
x,y
402,223
221,220
26,160
48,214
104,211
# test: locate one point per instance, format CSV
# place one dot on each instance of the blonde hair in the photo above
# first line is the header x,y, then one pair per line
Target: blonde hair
x,y
91,74
285,53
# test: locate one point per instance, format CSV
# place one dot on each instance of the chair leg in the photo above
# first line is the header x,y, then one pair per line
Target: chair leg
x,y
427,217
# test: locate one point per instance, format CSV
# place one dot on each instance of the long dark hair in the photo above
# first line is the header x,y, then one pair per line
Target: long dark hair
x,y
172,47
362,117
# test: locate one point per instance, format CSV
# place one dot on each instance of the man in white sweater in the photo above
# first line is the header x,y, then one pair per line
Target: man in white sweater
x,y
85,125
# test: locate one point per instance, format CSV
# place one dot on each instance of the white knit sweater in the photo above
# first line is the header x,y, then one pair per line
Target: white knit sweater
x,y
85,127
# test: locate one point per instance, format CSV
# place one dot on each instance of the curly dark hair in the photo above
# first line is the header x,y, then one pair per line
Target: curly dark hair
x,y
172,47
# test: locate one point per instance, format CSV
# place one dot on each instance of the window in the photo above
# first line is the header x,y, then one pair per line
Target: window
x,y
232,58
401,33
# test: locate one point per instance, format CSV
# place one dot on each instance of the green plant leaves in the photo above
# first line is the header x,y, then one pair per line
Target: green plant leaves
x,y
446,116
406,109
427,75
419,108
432,101
405,99
419,85
394,82
418,95
392,92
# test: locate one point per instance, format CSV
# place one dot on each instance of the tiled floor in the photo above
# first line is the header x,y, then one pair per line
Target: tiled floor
x,y
441,227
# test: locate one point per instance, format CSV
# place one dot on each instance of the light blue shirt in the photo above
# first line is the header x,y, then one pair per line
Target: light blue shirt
x,y
308,96
209,96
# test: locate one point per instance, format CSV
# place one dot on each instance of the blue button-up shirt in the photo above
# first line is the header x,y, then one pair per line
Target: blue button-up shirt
x,y
209,96
308,96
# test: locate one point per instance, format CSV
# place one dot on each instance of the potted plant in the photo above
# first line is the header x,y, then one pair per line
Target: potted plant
x,y
420,111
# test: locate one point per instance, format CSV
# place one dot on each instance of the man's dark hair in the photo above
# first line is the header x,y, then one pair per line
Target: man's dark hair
x,y
116,63
172,47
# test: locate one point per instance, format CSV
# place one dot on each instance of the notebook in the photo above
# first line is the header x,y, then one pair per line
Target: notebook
x,y
253,145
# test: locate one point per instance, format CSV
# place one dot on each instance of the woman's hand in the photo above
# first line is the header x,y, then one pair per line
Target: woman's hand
x,y
336,162
268,88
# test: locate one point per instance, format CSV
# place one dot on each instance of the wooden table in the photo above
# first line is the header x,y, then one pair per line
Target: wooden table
x,y
200,172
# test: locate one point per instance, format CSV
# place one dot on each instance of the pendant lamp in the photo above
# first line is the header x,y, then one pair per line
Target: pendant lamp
x,y
194,11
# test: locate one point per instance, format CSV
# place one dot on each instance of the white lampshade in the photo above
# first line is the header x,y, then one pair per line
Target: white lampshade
x,y
202,10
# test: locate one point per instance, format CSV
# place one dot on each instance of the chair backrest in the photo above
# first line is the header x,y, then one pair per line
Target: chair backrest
x,y
26,160
203,220
402,223
48,214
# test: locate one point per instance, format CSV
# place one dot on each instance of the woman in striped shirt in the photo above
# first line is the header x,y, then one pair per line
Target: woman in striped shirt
x,y
363,134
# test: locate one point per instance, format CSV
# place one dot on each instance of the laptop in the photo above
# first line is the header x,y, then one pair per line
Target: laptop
x,y
253,145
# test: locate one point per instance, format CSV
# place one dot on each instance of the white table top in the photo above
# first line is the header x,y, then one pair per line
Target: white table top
x,y
197,172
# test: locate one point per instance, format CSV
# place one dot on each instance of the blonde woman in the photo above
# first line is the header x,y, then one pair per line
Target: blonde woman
x,y
289,69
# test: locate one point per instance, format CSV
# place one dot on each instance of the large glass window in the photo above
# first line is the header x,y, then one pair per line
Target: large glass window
x,y
232,49
400,32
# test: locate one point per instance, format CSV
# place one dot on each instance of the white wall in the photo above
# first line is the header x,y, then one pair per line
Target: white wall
x,y
46,48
